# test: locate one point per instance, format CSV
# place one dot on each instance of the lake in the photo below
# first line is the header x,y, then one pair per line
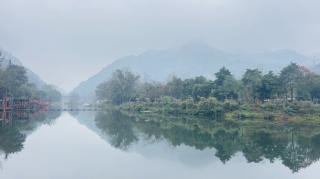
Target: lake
x,y
116,145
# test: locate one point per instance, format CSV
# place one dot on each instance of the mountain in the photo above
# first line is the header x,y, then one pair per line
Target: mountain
x,y
6,58
316,68
192,60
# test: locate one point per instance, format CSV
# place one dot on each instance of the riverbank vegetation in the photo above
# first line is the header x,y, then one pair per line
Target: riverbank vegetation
x,y
14,83
293,94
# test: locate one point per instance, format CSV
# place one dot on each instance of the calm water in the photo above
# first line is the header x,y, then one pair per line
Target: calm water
x,y
113,145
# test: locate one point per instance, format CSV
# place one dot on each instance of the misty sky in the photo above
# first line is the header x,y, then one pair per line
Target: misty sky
x,y
67,41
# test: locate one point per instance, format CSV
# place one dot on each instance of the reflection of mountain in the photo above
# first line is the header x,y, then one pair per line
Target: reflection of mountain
x,y
296,148
88,119
13,132
151,148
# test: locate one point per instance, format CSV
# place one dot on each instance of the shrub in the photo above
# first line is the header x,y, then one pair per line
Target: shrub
x,y
270,106
248,115
301,107
209,106
167,100
269,117
230,105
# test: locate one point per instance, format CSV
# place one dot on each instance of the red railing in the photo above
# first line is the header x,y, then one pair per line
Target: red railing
x,y
23,104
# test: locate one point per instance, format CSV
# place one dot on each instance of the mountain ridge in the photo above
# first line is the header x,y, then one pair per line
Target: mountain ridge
x,y
192,60
6,58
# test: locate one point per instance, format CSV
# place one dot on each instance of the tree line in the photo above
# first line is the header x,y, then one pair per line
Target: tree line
x,y
14,82
293,83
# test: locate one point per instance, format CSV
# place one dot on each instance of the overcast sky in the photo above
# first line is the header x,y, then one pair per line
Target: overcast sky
x,y
67,41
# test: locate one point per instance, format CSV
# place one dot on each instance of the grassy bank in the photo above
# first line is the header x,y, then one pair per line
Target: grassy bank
x,y
298,112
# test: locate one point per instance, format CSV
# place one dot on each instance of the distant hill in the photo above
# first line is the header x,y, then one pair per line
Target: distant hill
x,y
192,60
6,57
316,68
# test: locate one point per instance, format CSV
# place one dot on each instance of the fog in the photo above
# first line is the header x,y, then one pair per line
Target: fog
x,y
67,41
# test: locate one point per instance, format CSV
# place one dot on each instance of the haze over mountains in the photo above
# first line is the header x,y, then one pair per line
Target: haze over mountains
x,y
186,62
193,60
6,58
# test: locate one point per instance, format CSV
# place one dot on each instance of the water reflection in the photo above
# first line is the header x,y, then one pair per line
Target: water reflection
x,y
296,147
196,143
15,126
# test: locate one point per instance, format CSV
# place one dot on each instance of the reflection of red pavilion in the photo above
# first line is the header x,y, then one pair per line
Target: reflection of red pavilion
x,y
6,117
6,103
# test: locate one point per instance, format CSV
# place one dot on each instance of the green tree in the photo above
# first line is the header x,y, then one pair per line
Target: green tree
x,y
14,77
305,84
269,86
120,88
53,95
225,85
152,91
14,82
197,87
221,76
252,81
290,77
201,90
315,89
27,91
175,88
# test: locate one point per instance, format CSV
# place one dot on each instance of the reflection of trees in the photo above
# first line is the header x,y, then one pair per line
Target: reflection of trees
x,y
118,127
14,135
11,140
297,148
226,144
301,151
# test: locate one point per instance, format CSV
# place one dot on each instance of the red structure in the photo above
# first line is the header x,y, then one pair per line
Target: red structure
x,y
10,104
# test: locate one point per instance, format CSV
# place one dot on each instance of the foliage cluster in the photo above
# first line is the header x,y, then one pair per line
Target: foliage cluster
x,y
14,82
295,90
